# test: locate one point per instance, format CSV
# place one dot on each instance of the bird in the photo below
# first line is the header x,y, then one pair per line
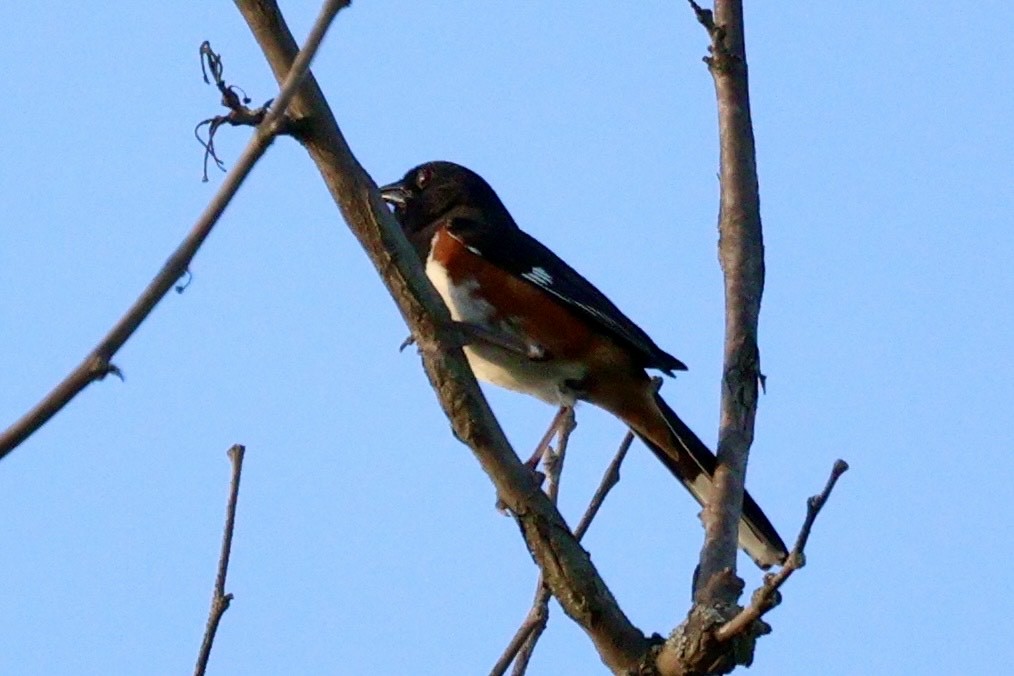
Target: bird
x,y
538,327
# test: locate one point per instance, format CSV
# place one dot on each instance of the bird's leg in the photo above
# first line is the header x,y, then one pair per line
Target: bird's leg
x,y
558,421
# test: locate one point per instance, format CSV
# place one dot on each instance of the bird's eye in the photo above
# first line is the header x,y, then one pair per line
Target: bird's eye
x,y
423,177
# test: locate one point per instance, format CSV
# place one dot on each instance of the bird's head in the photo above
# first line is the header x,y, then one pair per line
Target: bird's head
x,y
436,190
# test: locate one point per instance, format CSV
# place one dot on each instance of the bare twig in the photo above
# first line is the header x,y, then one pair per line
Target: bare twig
x,y
610,478
717,638
219,599
564,416
766,596
568,569
98,364
704,16
523,641
565,423
554,459
539,617
691,648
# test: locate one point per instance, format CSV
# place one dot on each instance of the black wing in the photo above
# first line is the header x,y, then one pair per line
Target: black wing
x,y
521,254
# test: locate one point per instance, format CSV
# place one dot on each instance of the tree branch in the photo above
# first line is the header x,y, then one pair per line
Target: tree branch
x,y
610,478
523,643
219,599
693,648
568,569
741,252
98,364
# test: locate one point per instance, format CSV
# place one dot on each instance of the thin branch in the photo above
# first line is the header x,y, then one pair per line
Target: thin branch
x,y
219,599
523,642
568,569
766,596
554,459
704,16
540,607
564,416
610,478
713,640
538,616
539,621
535,622
98,364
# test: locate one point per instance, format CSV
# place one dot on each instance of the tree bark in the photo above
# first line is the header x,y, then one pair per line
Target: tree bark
x,y
741,252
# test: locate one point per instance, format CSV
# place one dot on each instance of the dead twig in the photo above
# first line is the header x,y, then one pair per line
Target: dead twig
x,y
721,57
239,113
610,478
537,616
98,364
538,620
519,649
219,599
523,642
564,417
767,596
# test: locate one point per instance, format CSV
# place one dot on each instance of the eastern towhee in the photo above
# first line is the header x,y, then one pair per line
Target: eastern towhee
x,y
539,327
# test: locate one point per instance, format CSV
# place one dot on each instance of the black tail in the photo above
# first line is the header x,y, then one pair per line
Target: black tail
x,y
693,464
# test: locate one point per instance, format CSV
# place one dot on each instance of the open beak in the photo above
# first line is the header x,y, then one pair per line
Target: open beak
x,y
396,194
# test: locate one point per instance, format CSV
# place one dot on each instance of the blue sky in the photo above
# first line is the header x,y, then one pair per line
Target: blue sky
x,y
367,539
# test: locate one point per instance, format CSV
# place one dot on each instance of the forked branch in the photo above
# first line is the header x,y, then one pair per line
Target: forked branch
x,y
519,649
767,596
523,642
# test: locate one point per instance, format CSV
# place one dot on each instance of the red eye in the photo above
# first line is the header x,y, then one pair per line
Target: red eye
x,y
423,177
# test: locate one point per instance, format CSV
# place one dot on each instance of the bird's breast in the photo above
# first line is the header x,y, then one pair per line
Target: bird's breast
x,y
477,292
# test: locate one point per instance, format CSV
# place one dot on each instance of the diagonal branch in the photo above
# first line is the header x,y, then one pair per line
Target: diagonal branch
x,y
519,649
98,364
523,641
766,596
610,478
568,569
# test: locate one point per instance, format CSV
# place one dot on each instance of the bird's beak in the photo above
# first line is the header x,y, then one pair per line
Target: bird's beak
x,y
395,193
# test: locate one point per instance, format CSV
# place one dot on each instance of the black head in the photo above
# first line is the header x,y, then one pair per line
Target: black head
x,y
435,190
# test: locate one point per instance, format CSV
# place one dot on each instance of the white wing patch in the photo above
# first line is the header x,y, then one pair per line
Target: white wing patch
x,y
538,276
462,243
